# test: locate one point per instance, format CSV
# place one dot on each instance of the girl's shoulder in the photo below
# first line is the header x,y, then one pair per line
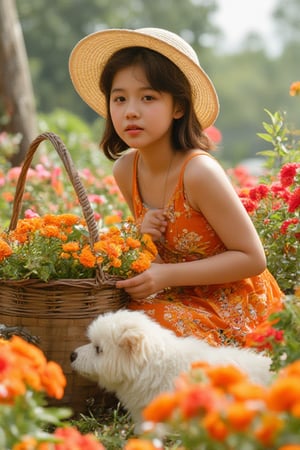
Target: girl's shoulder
x,y
125,161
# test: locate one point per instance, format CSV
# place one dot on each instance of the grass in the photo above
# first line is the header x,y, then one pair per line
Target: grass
x,y
112,426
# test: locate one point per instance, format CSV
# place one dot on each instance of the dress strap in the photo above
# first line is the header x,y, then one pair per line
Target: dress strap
x,y
187,160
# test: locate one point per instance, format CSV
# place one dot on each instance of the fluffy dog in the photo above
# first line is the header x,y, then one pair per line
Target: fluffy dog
x,y
134,357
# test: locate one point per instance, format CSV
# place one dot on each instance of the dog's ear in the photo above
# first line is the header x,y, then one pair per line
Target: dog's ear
x,y
133,343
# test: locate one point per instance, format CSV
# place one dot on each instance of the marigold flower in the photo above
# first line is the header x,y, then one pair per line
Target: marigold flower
x,y
109,220
268,428
133,243
87,258
141,444
116,263
71,247
5,250
289,447
28,443
53,380
161,408
141,264
224,376
215,426
284,394
239,416
245,390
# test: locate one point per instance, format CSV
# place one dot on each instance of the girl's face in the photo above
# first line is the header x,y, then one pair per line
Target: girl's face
x,y
141,116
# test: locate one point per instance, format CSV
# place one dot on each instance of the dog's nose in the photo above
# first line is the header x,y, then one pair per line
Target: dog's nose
x,y
73,356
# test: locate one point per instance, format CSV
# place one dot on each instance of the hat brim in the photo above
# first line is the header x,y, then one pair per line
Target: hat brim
x,y
90,55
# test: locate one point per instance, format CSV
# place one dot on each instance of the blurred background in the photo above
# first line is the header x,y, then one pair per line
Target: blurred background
x,y
249,48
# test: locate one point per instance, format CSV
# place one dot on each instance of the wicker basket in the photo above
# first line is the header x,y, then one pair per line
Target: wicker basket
x,y
59,311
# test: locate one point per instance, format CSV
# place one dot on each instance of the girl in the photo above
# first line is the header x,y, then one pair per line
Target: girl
x,y
210,279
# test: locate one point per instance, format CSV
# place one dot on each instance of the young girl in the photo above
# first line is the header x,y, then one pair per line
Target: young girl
x,y
210,279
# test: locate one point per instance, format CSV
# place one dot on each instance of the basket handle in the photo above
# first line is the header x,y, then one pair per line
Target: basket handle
x,y
65,156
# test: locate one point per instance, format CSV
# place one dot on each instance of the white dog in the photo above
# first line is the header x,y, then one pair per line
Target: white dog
x,y
134,357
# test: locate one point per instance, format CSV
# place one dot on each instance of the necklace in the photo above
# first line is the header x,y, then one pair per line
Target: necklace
x,y
165,186
166,182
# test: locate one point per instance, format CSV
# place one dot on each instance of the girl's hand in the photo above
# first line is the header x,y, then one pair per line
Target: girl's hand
x,y
154,223
145,284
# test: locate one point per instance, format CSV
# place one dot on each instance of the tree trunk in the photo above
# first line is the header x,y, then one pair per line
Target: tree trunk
x,y
16,93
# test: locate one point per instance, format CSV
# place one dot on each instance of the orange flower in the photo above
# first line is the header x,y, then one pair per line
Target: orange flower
x,y
28,443
116,263
161,408
109,220
51,231
133,243
224,376
284,394
71,247
53,380
215,426
245,390
73,440
5,250
87,258
239,416
266,432
141,444
198,399
289,447
295,88
32,355
141,264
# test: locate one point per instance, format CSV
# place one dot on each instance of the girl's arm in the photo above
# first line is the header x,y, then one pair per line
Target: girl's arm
x,y
209,190
123,172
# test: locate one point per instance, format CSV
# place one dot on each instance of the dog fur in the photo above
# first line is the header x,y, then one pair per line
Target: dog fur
x,y
133,356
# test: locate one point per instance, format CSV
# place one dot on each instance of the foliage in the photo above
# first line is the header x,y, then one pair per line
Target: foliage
x,y
274,209
50,42
279,335
48,189
219,408
57,247
26,377
274,204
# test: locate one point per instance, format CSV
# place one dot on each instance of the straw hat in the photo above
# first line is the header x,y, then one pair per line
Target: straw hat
x,y
91,54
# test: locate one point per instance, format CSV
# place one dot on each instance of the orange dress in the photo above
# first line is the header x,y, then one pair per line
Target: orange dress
x,y
220,313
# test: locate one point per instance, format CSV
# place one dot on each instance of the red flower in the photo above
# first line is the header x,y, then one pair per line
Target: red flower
x,y
249,204
287,223
259,192
287,173
294,201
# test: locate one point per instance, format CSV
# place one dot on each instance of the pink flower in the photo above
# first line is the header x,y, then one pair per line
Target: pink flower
x,y
29,214
214,134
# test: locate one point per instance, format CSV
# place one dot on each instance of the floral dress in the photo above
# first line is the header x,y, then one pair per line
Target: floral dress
x,y
220,313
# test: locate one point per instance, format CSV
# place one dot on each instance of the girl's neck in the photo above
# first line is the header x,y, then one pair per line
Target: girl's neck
x,y
156,161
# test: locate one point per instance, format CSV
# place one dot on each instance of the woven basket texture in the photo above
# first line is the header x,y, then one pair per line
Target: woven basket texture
x,y
57,313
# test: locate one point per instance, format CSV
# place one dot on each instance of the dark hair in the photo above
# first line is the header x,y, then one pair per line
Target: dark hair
x,y
163,75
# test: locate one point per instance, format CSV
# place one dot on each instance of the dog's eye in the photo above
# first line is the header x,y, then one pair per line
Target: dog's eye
x,y
98,349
